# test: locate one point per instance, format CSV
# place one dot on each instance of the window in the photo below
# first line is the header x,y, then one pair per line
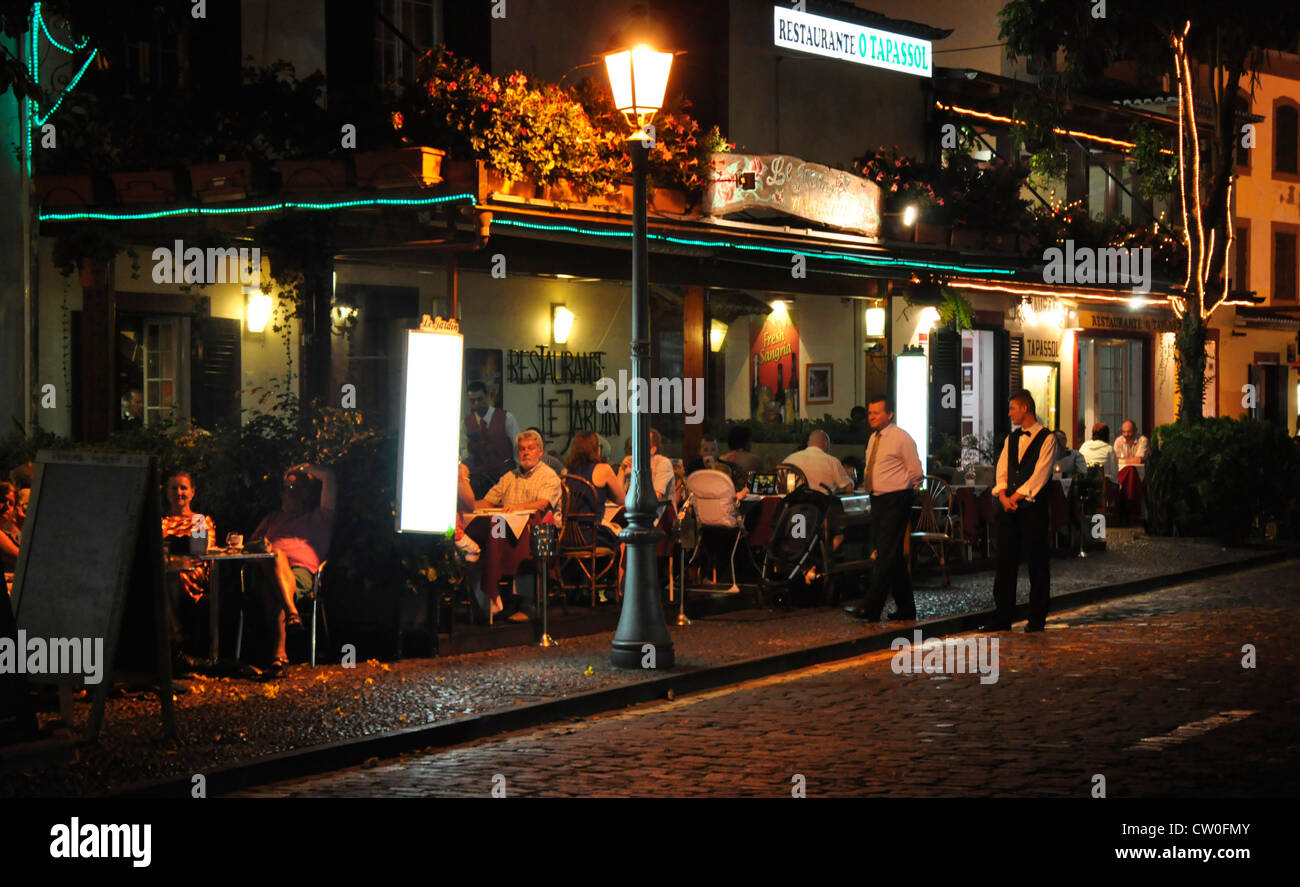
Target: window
x,y
151,369
418,21
1286,138
1284,262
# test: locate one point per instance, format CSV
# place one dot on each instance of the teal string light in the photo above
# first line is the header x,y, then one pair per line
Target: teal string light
x,y
40,121
40,19
238,210
882,261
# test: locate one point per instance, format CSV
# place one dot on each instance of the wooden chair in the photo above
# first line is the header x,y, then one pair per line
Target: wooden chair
x,y
934,525
579,542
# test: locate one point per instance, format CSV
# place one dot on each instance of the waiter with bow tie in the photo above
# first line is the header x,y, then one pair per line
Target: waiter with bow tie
x,y
1024,468
487,441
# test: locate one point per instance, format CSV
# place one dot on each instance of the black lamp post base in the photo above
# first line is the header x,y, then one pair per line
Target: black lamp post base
x,y
632,654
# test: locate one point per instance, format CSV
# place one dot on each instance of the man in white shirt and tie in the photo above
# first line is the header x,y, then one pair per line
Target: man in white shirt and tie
x,y
1024,468
892,475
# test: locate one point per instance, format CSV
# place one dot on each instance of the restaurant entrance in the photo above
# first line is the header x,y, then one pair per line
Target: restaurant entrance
x,y
1113,374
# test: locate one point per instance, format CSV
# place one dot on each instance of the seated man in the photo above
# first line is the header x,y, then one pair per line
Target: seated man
x,y
707,458
1098,451
739,440
661,471
299,537
1069,463
824,472
533,486
557,464
1131,448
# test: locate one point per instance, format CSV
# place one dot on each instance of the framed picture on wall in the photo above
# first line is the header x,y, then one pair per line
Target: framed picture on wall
x,y
820,383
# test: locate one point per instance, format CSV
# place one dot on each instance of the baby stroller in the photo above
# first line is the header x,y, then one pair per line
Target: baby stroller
x,y
797,559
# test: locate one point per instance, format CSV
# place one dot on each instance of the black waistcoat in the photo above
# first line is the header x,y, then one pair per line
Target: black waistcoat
x,y
1019,472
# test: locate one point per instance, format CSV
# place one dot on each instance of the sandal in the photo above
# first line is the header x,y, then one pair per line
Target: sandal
x,y
293,622
274,670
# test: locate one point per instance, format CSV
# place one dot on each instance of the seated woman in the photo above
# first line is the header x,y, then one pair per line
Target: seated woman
x,y
10,535
178,525
584,462
299,537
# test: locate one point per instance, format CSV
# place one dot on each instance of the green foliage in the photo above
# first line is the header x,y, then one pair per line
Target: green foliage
x,y
902,179
955,310
985,448
530,129
984,195
1222,477
1157,173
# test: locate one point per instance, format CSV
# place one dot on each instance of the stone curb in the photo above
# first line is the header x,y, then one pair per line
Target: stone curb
x,y
353,752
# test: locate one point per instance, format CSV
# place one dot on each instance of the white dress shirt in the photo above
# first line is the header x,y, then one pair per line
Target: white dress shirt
x,y
898,467
1136,450
662,475
824,472
1098,452
1042,469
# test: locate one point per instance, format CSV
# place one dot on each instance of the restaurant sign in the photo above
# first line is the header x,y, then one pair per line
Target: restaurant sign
x,y
849,42
1137,323
1042,349
784,185
563,410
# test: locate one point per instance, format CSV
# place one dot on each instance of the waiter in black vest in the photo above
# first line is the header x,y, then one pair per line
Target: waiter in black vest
x,y
1024,468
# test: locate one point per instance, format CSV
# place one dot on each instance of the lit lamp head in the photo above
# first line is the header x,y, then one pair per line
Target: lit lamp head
x,y
258,310
639,79
561,324
875,323
717,335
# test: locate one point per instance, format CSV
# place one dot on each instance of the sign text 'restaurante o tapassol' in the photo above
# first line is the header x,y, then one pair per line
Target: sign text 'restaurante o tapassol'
x,y
848,42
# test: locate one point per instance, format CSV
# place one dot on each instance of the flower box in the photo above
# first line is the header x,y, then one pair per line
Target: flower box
x,y
70,190
894,229
415,167
668,200
967,238
1001,242
927,232
313,176
461,175
495,182
150,186
227,180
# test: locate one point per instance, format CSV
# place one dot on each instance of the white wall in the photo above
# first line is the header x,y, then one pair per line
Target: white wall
x,y
263,354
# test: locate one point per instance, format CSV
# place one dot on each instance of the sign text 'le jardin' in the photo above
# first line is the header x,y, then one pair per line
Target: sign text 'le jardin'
x,y
785,185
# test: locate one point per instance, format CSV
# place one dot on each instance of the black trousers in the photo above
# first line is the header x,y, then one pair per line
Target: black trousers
x,y
1023,533
890,515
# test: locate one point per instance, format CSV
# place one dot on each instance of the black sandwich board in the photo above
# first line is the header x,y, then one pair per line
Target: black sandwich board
x,y
91,568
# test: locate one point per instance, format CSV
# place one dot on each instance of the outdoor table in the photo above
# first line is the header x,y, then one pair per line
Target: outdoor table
x,y
502,554
218,556
976,508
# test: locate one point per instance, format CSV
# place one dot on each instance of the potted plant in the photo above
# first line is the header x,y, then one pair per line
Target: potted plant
x,y
904,182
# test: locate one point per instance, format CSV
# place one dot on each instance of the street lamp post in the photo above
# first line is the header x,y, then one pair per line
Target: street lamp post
x,y
639,77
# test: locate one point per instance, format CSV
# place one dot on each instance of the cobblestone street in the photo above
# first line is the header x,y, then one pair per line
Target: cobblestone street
x,y
1147,691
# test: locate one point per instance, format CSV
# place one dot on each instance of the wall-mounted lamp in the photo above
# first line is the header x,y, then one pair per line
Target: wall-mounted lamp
x,y
875,323
561,324
717,335
259,309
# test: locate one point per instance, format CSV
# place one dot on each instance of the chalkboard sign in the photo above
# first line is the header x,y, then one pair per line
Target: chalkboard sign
x,y
90,564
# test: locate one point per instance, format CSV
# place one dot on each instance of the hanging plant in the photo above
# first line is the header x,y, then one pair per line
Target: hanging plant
x,y
955,310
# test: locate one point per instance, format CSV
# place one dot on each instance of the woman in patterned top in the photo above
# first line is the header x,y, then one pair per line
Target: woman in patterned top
x,y
179,522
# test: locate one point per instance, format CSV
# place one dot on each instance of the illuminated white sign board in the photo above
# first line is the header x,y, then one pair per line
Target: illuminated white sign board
x,y
848,42
429,459
912,400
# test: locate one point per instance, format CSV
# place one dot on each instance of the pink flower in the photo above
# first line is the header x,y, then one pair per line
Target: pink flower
x,y
894,187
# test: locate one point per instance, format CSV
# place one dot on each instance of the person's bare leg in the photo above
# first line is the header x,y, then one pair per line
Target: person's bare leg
x,y
284,576
274,608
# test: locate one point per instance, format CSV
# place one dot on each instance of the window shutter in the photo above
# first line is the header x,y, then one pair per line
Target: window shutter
x,y
215,371
1017,367
945,369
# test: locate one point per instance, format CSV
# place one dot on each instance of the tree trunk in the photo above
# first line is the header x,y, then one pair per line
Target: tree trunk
x,y
1190,342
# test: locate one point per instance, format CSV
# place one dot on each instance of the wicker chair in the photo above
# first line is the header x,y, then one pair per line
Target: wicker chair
x,y
579,542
